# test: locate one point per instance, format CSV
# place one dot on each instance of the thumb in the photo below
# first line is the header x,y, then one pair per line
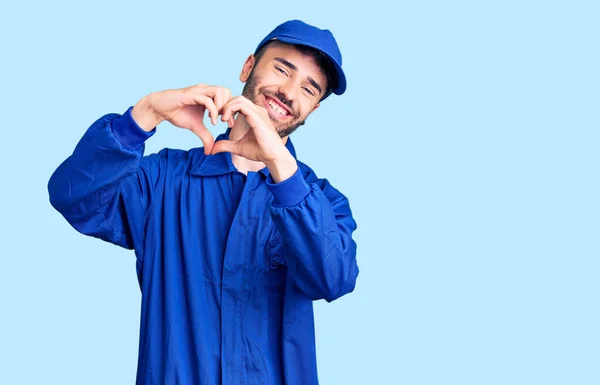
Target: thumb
x,y
206,137
225,146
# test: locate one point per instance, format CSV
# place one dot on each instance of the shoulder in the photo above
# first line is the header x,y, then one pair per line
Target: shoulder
x,y
309,174
311,177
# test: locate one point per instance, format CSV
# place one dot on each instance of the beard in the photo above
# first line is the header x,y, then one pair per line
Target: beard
x,y
251,92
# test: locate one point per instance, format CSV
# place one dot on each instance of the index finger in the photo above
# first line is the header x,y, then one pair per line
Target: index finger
x,y
206,102
237,104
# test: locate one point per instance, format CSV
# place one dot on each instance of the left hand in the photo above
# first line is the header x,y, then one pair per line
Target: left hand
x,y
261,143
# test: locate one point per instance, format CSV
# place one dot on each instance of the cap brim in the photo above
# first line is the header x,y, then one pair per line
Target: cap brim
x,y
340,86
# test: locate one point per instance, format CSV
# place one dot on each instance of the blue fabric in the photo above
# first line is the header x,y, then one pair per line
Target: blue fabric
x,y
129,133
228,265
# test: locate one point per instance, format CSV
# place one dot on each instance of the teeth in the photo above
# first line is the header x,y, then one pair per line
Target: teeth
x,y
275,107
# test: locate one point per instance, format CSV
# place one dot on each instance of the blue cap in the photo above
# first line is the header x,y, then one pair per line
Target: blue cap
x,y
299,32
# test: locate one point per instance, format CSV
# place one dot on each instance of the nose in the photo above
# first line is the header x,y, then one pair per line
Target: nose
x,y
288,93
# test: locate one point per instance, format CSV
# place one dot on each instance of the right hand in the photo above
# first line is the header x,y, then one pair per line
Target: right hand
x,y
185,108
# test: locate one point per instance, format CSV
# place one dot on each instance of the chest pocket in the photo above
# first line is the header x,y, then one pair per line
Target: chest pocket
x,y
275,262
275,252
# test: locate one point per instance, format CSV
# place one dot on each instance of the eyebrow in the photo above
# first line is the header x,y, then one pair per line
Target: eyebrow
x,y
293,67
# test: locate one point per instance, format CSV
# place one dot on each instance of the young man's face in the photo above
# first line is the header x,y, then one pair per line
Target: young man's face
x,y
285,82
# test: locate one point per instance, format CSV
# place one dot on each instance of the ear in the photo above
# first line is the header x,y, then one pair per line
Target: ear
x,y
247,68
315,107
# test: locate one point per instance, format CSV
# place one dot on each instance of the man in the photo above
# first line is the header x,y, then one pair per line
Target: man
x,y
233,241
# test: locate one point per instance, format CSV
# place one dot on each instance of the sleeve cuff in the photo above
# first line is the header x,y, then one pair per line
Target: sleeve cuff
x,y
128,132
290,192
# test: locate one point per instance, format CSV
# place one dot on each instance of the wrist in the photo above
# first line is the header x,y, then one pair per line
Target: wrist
x,y
282,167
143,114
290,192
128,132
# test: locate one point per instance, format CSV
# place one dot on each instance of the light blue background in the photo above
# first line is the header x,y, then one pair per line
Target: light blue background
x,y
467,143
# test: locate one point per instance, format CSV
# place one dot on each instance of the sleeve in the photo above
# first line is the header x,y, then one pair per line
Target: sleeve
x,y
105,187
316,225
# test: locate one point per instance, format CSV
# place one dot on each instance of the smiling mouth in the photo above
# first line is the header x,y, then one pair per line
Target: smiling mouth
x,y
276,108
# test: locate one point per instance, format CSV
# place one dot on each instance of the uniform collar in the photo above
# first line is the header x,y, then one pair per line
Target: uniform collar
x,y
221,163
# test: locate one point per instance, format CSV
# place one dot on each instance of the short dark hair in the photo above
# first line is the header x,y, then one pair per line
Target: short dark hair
x,y
322,61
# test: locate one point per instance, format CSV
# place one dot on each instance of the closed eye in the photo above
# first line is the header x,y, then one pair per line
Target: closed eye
x,y
309,91
280,70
